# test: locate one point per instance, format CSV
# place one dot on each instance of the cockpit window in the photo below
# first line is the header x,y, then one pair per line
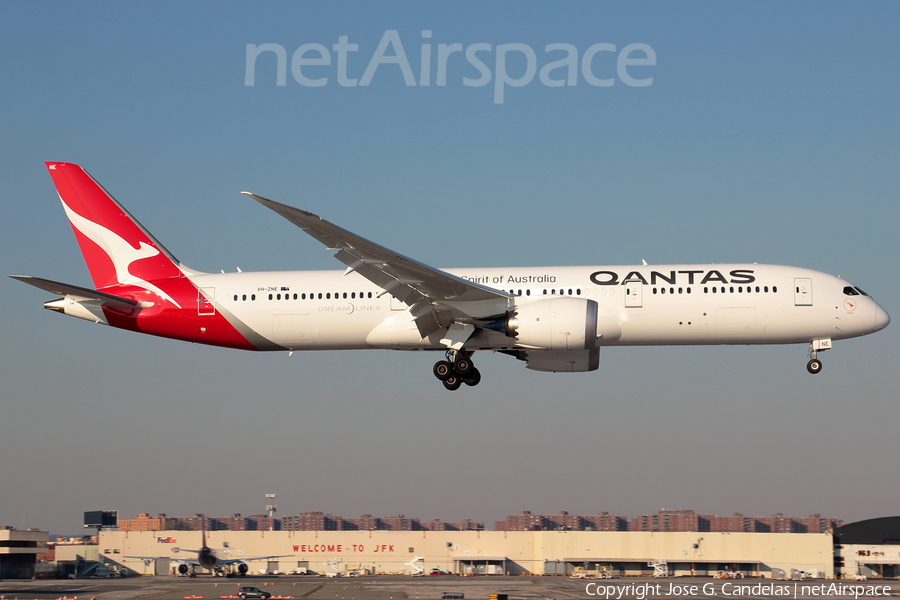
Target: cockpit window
x,y
853,291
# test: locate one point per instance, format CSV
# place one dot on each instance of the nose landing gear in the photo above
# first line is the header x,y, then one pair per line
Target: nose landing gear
x,y
457,370
815,365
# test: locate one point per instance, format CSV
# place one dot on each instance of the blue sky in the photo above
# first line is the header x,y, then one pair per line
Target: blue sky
x,y
769,134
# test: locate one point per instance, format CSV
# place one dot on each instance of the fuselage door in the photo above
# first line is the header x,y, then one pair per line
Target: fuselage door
x,y
206,301
803,291
633,294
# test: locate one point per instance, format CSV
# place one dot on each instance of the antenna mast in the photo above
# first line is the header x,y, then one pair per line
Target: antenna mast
x,y
271,508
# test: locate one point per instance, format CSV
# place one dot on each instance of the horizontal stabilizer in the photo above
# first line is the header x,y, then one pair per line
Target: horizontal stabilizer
x,y
74,291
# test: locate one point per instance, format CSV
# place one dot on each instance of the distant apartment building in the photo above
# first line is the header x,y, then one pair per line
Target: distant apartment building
x,y
528,521
688,520
144,522
664,520
308,521
668,520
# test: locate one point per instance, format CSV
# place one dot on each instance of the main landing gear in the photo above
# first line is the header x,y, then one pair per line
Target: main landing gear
x,y
457,370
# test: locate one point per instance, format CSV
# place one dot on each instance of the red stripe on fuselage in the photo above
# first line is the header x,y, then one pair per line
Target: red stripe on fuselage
x,y
164,319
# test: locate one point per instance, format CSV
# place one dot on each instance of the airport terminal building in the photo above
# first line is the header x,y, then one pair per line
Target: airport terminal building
x,y
624,553
19,550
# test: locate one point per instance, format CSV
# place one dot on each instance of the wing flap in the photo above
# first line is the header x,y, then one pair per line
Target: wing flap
x,y
402,289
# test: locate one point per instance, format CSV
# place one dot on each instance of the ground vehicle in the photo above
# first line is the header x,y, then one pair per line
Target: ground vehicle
x,y
729,575
252,592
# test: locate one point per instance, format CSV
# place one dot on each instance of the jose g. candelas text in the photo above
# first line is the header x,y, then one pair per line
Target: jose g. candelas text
x,y
314,65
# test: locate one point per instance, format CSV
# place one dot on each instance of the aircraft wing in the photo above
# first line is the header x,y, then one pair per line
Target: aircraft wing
x,y
74,291
231,561
190,561
406,279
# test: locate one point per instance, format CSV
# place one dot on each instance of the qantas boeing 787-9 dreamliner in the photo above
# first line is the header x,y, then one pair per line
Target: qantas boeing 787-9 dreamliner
x,y
554,318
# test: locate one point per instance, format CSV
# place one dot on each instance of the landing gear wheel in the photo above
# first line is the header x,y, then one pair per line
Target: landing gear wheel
x,y
452,383
443,369
814,366
473,378
463,365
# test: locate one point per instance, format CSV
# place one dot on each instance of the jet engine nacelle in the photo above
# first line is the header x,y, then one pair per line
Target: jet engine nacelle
x,y
553,361
242,569
560,323
183,569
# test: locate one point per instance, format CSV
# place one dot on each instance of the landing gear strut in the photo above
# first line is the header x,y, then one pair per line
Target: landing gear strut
x,y
815,365
457,369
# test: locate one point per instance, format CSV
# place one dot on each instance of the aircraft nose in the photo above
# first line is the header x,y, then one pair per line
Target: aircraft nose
x,y
882,319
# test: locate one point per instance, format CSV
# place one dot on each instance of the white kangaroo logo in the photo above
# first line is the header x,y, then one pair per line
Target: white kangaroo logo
x,y
120,252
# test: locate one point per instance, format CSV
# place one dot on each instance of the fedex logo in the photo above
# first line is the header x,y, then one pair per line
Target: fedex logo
x,y
165,540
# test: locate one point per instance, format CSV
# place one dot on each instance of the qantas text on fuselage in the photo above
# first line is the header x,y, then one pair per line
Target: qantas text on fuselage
x,y
555,319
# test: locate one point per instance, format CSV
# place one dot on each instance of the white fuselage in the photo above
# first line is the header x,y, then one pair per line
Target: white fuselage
x,y
638,305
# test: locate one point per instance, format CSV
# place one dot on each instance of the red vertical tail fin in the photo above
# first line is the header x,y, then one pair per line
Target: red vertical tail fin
x,y
116,247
